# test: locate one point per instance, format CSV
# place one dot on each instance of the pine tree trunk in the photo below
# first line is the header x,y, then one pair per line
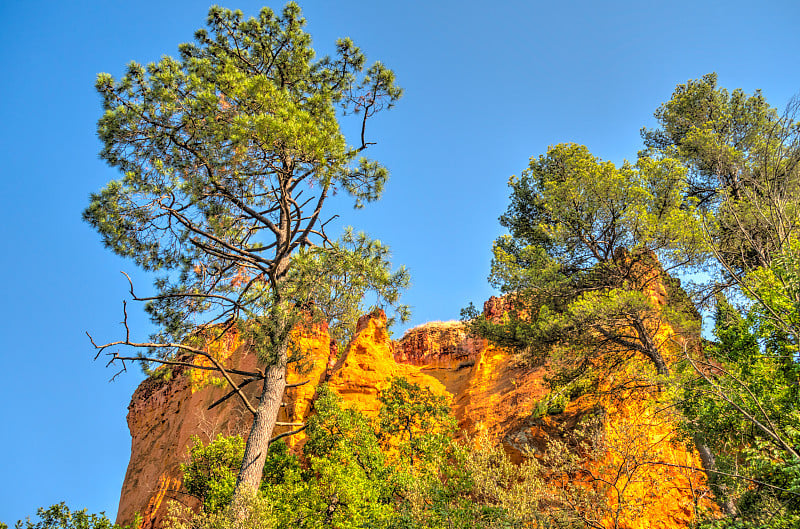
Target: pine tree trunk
x,y
255,453
710,466
661,366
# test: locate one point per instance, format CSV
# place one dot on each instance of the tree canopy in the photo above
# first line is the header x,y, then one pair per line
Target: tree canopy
x,y
581,255
743,163
585,270
228,155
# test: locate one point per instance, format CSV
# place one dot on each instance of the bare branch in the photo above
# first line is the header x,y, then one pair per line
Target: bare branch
x,y
721,473
286,434
233,392
180,364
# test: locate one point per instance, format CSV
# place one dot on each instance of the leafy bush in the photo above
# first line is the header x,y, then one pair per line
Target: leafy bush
x,y
212,470
59,516
211,473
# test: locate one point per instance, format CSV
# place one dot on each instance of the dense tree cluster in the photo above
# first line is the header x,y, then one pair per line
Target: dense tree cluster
x,y
716,189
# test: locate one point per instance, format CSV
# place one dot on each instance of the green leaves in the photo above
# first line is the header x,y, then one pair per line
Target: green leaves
x,y
59,516
585,253
742,161
582,211
353,476
414,420
584,273
333,282
347,482
718,132
742,401
776,291
211,472
228,154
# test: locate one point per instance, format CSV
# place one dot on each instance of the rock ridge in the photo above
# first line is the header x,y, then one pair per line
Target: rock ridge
x,y
490,389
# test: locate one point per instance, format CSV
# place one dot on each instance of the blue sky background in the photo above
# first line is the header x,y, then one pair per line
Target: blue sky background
x,y
488,85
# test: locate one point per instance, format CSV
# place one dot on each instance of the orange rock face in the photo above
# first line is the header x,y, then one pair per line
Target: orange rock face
x,y
368,364
491,391
164,415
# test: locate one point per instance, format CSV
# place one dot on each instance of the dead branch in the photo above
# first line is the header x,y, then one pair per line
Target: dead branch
x,y
721,473
233,392
286,434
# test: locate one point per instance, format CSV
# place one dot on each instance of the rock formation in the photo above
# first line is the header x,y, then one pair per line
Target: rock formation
x,y
491,392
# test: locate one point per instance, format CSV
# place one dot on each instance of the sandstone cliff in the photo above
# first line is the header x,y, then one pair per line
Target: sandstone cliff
x,y
164,414
491,392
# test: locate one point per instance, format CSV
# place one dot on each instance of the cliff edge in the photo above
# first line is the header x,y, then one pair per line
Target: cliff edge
x,y
491,392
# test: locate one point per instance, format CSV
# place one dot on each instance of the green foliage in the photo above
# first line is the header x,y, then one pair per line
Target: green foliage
x,y
581,258
743,162
351,476
776,293
472,485
227,155
280,464
743,165
215,149
211,472
716,189
581,211
59,516
332,282
345,482
414,420
249,511
719,133
743,402
566,386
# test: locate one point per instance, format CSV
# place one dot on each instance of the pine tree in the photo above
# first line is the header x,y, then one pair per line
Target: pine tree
x,y
228,156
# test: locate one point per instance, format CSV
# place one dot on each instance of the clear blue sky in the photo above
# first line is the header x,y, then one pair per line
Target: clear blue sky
x,y
488,85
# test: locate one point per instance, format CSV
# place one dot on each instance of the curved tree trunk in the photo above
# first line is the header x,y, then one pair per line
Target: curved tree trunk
x,y
710,466
707,458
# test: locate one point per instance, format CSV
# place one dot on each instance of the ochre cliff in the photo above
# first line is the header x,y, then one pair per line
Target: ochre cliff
x,y
491,391
368,364
164,414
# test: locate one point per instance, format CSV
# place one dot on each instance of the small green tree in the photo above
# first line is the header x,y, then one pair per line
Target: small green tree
x,y
228,155
347,481
414,420
211,471
59,516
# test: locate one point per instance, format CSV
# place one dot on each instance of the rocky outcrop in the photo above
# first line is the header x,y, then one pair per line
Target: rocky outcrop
x,y
491,388
491,391
166,411
443,350
368,364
